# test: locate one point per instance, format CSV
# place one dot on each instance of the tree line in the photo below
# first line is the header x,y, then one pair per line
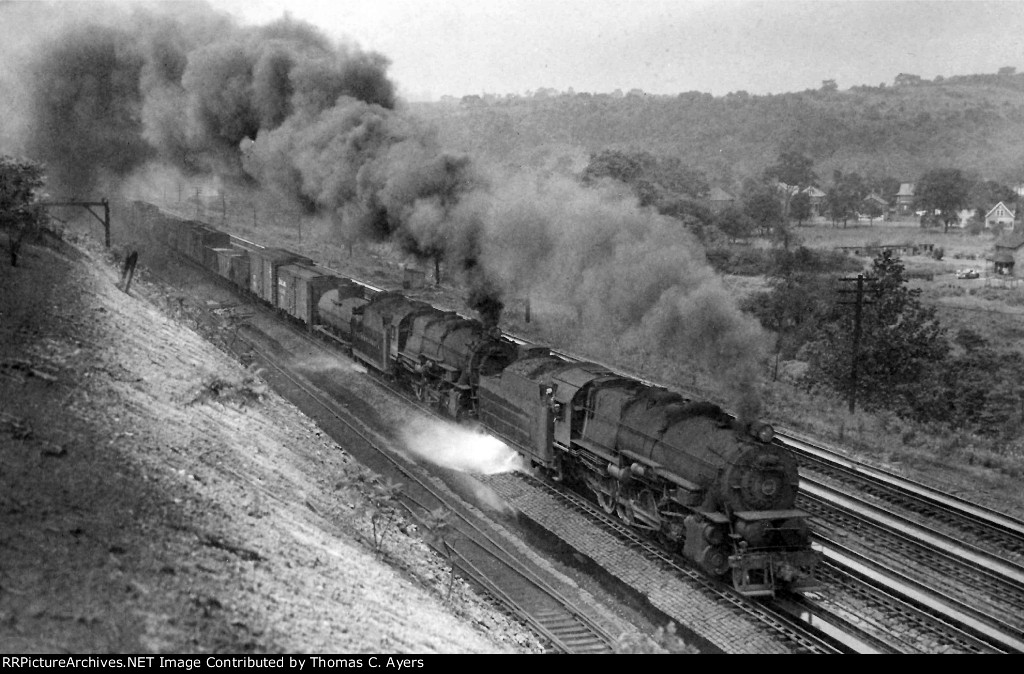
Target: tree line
x,y
975,123
780,196
905,362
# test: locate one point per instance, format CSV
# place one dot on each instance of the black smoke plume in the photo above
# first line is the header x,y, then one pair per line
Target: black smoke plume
x,y
174,83
285,108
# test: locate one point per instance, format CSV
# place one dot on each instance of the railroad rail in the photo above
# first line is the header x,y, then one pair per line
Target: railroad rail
x,y
552,615
478,555
972,581
790,628
1001,532
905,613
983,527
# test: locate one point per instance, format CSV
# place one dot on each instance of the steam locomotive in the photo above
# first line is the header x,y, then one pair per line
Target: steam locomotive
x,y
718,492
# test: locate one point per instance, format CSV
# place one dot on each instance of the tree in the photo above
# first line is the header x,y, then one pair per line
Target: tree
x,y
800,207
626,167
783,235
795,304
654,179
21,214
984,194
901,347
843,197
943,190
764,209
734,223
677,179
792,168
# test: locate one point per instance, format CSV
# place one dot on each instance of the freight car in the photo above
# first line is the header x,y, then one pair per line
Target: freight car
x,y
718,492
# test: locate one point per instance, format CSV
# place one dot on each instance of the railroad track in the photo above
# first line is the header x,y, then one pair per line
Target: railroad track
x,y
969,580
895,622
999,535
925,552
789,627
999,532
479,556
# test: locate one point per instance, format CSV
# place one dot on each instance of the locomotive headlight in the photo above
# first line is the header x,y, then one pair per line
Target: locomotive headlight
x,y
764,433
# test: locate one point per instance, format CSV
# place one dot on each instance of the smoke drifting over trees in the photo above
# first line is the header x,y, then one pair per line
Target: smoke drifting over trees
x,y
284,108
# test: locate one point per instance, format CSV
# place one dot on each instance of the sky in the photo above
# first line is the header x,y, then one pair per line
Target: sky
x,y
459,47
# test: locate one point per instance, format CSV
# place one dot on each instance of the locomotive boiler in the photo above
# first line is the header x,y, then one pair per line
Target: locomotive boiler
x,y
719,493
438,355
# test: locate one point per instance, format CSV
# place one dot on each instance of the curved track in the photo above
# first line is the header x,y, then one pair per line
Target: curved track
x,y
999,536
479,555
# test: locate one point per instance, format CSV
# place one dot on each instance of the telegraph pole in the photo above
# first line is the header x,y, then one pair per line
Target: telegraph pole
x,y
858,302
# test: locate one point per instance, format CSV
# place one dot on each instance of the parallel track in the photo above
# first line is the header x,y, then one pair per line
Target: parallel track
x,y
801,636
998,532
480,557
983,527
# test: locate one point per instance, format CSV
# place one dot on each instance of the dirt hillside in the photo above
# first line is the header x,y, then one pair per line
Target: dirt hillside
x,y
141,513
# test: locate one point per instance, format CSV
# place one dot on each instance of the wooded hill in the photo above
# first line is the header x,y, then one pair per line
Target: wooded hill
x,y
974,123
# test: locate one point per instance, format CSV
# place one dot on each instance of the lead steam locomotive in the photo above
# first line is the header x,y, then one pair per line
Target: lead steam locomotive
x,y
719,493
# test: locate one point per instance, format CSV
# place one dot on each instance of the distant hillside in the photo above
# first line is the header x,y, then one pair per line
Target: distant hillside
x,y
974,123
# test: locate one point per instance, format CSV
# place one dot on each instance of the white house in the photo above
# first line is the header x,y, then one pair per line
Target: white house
x,y
1000,215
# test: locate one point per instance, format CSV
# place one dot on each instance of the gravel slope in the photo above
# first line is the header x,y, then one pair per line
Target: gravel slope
x,y
141,512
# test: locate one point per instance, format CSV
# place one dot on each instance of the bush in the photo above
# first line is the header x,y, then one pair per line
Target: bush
x,y
250,388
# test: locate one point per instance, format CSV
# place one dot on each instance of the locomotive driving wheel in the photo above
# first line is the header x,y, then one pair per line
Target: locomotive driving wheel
x,y
667,543
624,509
419,389
606,495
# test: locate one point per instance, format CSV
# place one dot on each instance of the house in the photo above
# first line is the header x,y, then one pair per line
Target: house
x,y
817,199
719,199
873,202
1000,215
905,199
1009,256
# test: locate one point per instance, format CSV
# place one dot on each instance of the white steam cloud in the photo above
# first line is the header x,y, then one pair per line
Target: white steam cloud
x,y
459,448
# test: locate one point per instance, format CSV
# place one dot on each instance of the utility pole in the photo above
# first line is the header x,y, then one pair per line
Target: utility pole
x,y
858,302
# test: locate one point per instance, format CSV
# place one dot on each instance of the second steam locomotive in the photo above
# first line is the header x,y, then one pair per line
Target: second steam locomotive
x,y
718,492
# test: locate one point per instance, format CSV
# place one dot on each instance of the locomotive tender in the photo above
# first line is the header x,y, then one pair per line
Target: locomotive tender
x,y
720,493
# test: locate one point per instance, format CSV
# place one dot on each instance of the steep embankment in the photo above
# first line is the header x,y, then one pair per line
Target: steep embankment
x,y
138,513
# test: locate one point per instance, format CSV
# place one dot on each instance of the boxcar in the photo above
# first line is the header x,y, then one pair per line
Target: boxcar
x,y
264,264
239,274
201,242
299,288
225,263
